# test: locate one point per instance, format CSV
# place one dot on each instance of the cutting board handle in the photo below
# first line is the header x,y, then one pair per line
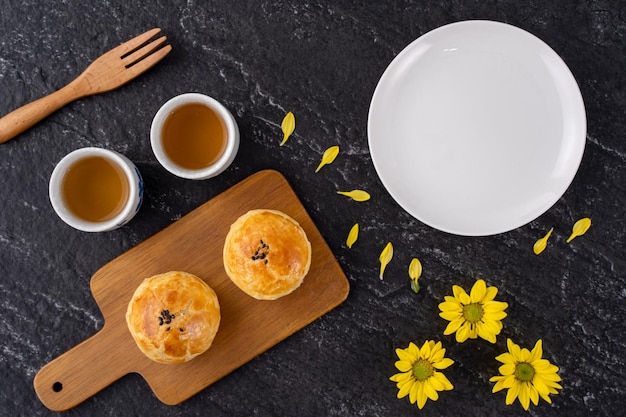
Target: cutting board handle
x,y
84,370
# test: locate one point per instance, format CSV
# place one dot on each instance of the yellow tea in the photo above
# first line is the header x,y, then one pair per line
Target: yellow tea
x,y
95,189
194,136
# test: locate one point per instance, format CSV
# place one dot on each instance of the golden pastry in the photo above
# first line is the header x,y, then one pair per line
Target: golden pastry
x,y
266,254
173,317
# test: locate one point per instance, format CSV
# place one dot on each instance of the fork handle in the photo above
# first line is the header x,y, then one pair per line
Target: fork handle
x,y
26,116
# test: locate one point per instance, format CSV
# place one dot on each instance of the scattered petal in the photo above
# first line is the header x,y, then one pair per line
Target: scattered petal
x,y
328,157
541,244
415,271
353,235
580,228
288,126
356,195
385,258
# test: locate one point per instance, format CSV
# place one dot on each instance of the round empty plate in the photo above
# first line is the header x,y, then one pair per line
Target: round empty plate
x,y
477,128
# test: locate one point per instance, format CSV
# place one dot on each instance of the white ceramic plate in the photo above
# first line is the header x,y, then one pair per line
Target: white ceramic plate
x,y
477,128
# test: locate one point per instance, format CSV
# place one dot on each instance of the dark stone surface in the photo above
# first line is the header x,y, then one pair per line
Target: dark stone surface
x,y
321,60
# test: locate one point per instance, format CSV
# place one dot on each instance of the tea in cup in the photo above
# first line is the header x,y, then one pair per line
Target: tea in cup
x,y
95,190
194,136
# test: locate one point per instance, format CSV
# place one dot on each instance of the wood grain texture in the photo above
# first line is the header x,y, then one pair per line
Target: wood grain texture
x,y
108,72
194,244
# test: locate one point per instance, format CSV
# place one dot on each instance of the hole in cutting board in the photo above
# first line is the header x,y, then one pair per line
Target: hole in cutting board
x,y
57,387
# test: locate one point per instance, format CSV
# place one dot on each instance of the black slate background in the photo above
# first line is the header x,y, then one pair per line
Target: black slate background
x,y
321,60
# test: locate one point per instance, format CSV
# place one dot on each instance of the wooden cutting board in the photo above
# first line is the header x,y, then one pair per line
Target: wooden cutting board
x,y
194,244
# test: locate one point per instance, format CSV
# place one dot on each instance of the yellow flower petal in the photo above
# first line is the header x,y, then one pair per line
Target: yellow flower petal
x,y
545,396
509,381
407,381
534,395
453,326
444,380
421,396
443,364
430,392
415,269
524,396
413,393
549,378
553,390
451,299
425,350
541,244
463,333
490,294
402,376
580,228
353,235
356,195
552,386
496,315
451,315
506,358
288,126
403,366
404,389
437,353
403,355
406,355
478,291
483,331
473,334
507,369
436,383
328,157
499,383
512,394
548,372
451,306
541,386
414,350
494,307
537,352
493,327
461,295
513,349
385,258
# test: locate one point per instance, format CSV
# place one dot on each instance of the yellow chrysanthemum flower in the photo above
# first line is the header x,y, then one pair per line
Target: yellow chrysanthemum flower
x,y
526,375
419,376
474,315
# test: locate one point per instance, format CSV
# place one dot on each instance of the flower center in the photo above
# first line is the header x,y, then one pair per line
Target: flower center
x,y
422,370
524,371
473,312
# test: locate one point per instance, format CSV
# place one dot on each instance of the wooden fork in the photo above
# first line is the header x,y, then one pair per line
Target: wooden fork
x,y
110,71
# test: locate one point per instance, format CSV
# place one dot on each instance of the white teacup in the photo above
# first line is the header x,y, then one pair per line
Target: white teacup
x,y
96,190
171,113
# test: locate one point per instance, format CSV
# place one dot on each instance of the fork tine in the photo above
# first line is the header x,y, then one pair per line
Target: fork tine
x,y
148,62
144,51
135,42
